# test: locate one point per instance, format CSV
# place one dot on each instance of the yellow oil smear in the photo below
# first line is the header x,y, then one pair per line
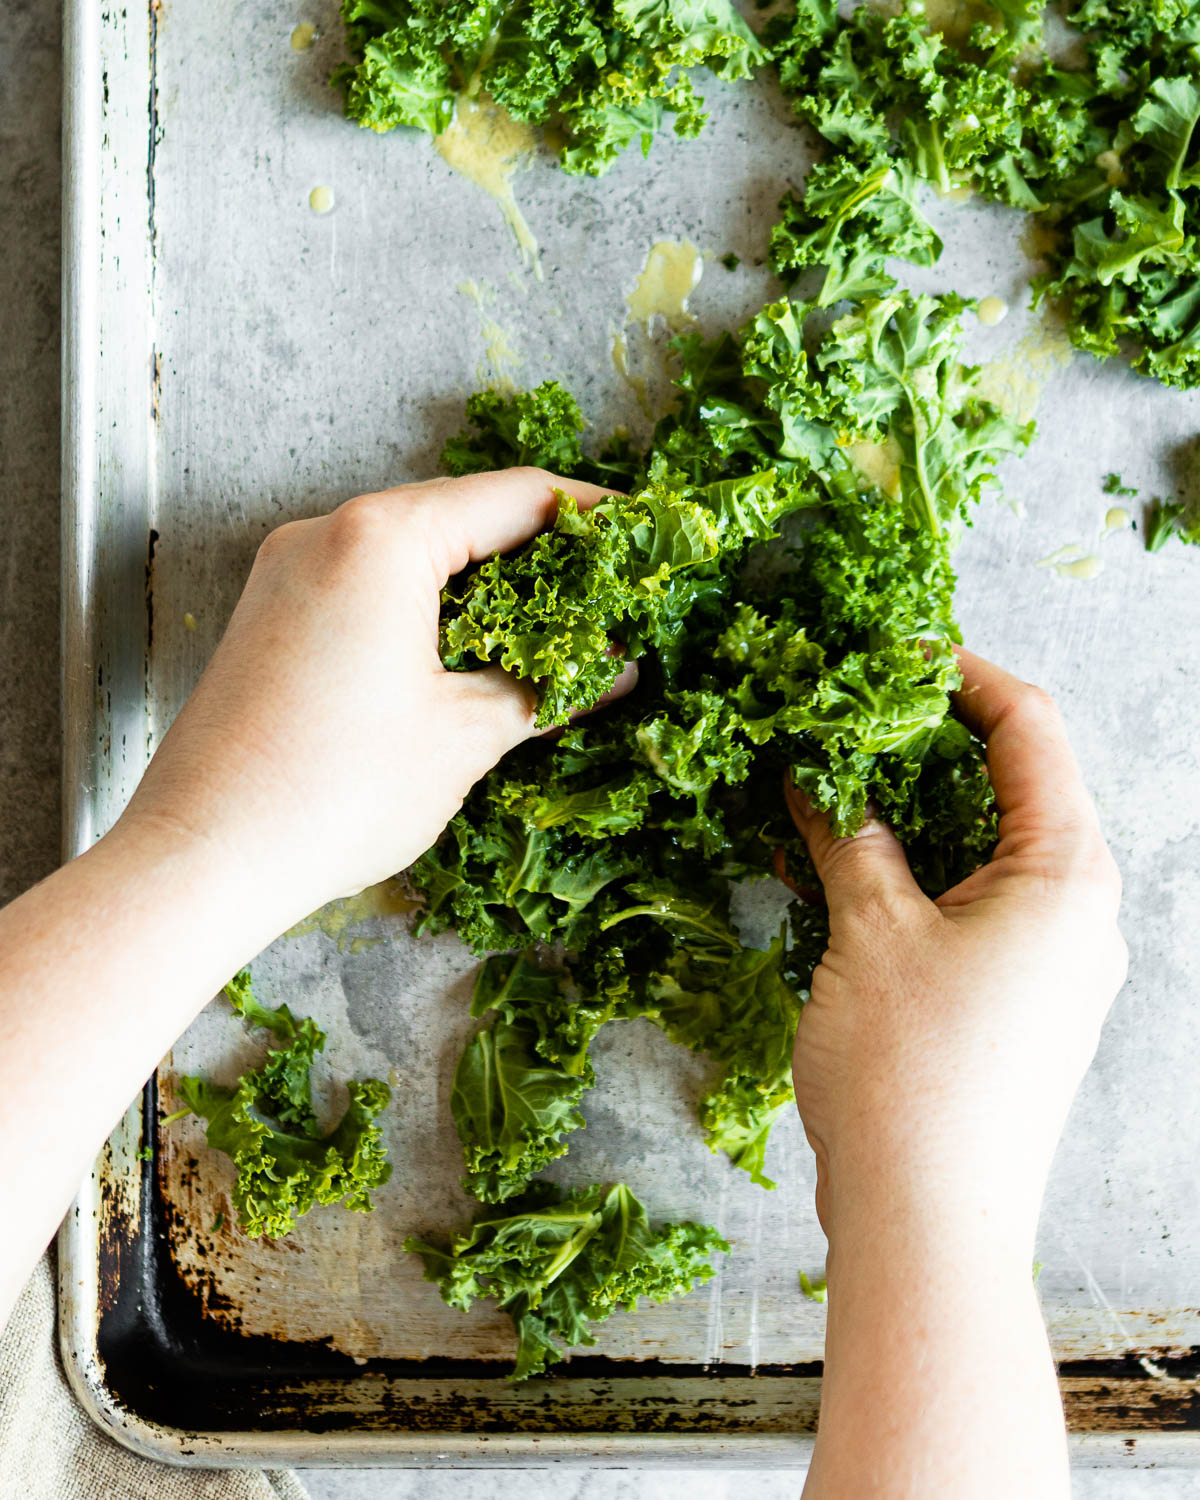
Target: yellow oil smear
x,y
1109,163
189,621
304,36
501,358
1116,518
339,919
1040,238
485,144
1015,380
878,463
672,271
992,310
320,200
1073,561
955,18
636,383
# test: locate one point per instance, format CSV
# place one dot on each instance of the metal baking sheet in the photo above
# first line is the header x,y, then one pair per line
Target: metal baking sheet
x,y
234,359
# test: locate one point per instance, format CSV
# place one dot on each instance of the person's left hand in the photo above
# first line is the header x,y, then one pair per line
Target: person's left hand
x,y
326,743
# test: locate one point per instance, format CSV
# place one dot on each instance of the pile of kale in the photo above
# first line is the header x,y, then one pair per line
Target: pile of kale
x,y
601,75
1095,134
780,566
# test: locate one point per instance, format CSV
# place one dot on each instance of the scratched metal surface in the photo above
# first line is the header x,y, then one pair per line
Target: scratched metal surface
x,y
284,360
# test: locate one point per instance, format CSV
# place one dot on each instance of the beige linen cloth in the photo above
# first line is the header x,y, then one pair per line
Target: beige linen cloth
x,y
51,1450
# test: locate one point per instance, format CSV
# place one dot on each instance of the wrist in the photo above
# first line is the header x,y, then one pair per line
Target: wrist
x,y
202,885
933,1203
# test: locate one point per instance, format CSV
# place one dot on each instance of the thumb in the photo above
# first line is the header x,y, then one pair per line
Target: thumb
x,y
867,869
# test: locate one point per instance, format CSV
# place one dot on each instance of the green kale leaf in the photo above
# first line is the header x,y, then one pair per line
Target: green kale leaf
x,y
512,1108
286,1164
558,1263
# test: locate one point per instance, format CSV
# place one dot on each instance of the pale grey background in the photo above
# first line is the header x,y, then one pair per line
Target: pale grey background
x,y
29,728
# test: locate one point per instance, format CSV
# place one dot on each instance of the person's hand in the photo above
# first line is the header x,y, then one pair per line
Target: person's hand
x,y
325,744
944,1040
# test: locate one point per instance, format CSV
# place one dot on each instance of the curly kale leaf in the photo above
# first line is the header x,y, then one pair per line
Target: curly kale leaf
x,y
626,570
285,1163
558,1263
540,427
605,72
886,88
850,222
1164,519
739,1009
512,1108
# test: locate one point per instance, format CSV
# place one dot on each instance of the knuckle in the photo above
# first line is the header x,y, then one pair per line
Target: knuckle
x,y
874,904
362,526
1037,702
276,541
532,475
1091,866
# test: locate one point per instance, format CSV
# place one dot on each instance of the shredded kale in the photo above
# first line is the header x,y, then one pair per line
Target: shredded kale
x,y
285,1163
1098,138
1115,485
557,1263
605,73
781,570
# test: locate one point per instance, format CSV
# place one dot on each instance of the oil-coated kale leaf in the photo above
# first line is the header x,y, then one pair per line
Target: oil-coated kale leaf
x,y
606,73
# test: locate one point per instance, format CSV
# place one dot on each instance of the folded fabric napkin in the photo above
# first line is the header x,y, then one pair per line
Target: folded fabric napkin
x,y
50,1449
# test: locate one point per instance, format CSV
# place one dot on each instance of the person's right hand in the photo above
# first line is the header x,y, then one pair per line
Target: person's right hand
x,y
944,1040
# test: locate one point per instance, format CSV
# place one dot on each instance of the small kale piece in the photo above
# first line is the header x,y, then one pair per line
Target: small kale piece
x,y
737,1007
558,1263
850,222
519,1080
511,1108
1115,485
285,1164
540,427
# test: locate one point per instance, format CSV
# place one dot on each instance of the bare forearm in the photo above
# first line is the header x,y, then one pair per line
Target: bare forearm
x,y
101,967
938,1376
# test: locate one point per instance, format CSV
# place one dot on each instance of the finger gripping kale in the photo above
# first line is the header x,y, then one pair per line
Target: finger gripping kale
x,y
627,571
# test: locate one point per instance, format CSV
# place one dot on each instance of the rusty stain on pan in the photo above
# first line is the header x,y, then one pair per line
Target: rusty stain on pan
x,y
174,1355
